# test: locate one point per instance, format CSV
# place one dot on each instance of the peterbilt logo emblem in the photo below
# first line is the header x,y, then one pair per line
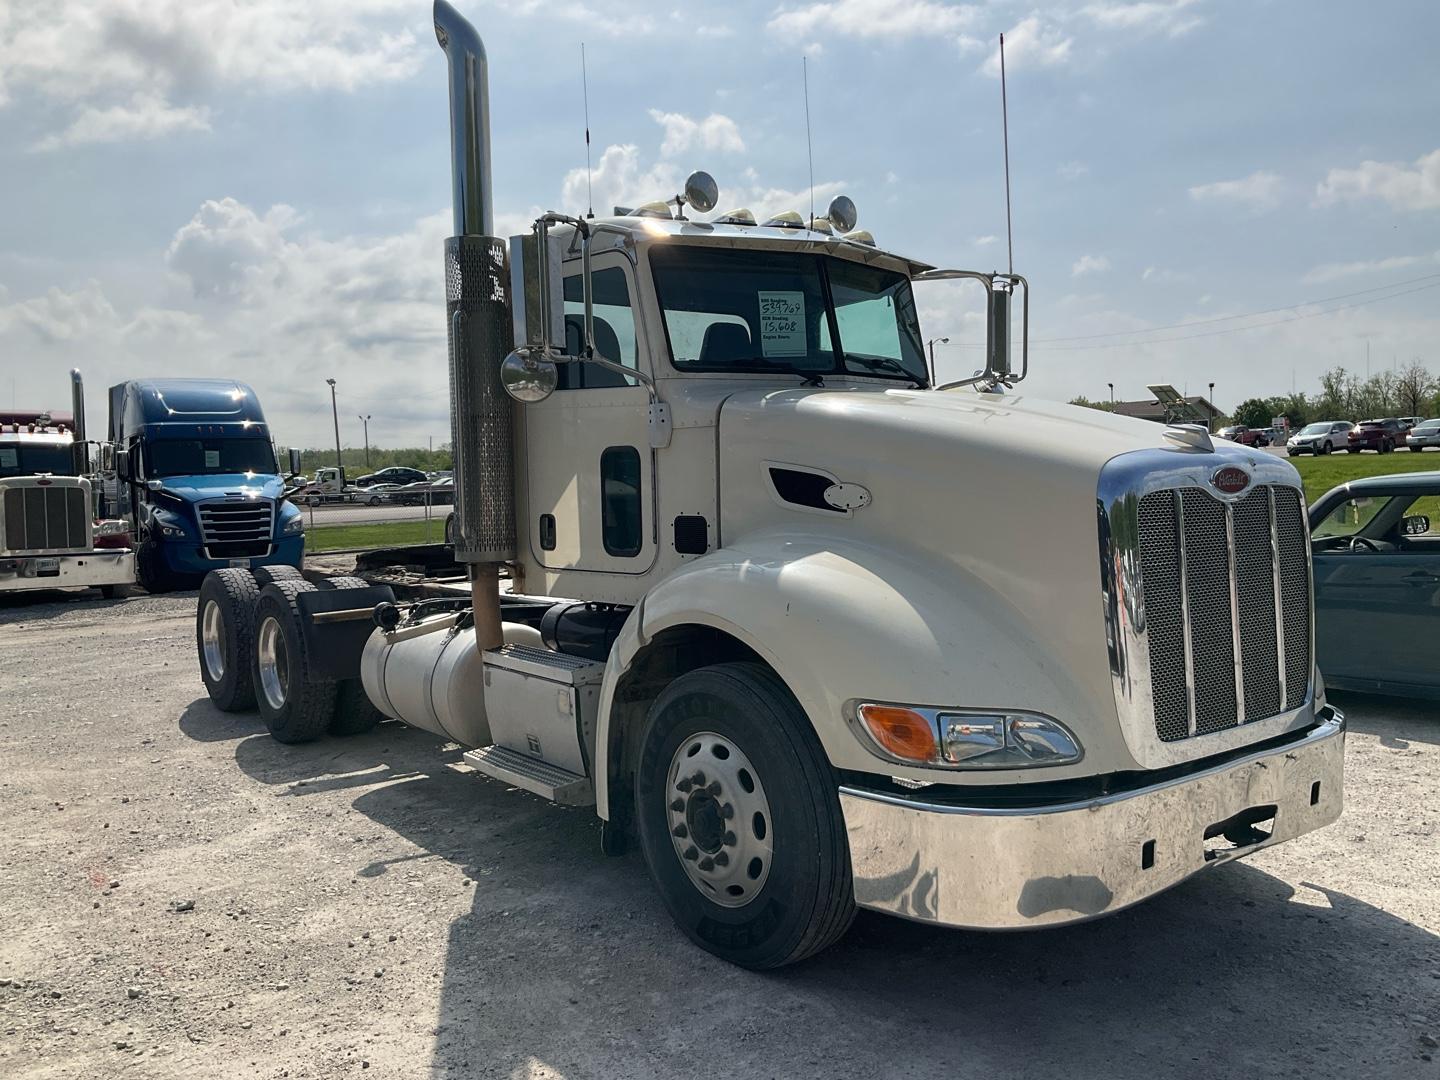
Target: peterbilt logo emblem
x,y
1230,479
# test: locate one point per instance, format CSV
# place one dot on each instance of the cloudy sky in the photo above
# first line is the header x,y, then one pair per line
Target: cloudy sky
x,y
260,188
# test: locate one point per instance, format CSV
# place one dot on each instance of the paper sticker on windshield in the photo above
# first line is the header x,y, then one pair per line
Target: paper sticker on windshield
x,y
212,459
9,457
782,324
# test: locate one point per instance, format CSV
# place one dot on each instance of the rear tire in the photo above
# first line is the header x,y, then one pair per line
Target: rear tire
x,y
355,713
296,706
752,858
224,637
266,575
1386,447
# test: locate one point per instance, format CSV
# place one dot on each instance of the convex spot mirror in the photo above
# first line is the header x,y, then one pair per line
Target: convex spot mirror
x,y
842,213
702,192
1415,525
528,379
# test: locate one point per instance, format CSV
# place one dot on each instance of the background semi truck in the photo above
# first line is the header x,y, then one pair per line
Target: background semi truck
x,y
815,632
195,472
50,537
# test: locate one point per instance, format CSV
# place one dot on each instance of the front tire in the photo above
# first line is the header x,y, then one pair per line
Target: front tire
x,y
295,705
224,637
150,569
1326,447
739,818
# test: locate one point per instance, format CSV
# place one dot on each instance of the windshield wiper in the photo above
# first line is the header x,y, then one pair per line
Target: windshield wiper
x,y
885,363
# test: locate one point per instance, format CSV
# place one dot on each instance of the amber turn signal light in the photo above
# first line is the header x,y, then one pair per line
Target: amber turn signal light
x,y
904,733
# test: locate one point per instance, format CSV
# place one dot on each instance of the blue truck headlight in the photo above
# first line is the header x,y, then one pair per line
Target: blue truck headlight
x,y
292,525
965,738
168,524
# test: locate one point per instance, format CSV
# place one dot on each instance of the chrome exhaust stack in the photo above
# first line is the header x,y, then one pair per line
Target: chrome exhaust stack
x,y
477,306
77,407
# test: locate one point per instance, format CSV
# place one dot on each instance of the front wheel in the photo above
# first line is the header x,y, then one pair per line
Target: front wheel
x,y
150,569
739,818
1326,447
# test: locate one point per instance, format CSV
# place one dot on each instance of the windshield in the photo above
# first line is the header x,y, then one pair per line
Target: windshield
x,y
768,311
198,457
1428,426
28,459
1315,429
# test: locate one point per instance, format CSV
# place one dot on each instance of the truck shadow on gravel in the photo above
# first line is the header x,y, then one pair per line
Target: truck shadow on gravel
x,y
567,961
1397,722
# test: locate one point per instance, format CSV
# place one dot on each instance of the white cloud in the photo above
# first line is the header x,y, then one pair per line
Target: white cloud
x,y
1259,190
985,241
872,18
1170,17
715,132
1161,274
1030,43
143,117
1089,264
1404,187
145,68
1073,170
1334,271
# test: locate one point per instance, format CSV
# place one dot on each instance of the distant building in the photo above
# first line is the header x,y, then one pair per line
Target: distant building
x,y
1200,410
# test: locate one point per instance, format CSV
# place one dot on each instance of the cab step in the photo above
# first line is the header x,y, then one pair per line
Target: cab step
x,y
549,782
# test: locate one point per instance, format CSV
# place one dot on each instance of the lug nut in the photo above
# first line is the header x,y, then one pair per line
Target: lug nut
x,y
728,839
727,811
706,863
683,785
680,831
698,779
714,788
678,805
722,858
692,853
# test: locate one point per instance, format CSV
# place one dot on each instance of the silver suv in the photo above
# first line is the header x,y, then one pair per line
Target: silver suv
x,y
1320,438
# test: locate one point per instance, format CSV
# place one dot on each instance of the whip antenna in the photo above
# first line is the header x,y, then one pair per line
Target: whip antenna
x,y
809,151
1005,127
585,92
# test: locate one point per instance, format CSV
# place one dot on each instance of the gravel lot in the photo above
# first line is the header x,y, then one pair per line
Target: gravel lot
x,y
371,906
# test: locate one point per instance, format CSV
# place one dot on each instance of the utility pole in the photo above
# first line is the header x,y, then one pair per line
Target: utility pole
x,y
931,346
335,413
366,421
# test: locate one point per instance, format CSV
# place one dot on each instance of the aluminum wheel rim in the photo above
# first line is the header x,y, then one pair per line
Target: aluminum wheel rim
x,y
212,640
719,819
274,663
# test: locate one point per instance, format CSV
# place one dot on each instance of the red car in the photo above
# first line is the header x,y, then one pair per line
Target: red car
x,y
1245,436
1382,436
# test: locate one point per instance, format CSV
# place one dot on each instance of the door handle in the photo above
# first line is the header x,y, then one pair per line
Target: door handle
x,y
1422,577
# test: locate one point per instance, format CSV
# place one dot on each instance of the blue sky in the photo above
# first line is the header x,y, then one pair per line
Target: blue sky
x,y
260,189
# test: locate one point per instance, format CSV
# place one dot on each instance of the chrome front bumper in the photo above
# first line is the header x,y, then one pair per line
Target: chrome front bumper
x,y
19,573
1005,869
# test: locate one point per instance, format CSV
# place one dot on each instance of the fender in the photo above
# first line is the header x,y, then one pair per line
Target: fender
x,y
840,620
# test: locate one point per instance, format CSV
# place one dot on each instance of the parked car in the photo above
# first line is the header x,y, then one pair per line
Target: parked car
x,y
375,494
441,493
1424,434
393,474
1320,438
1245,436
1382,436
1376,556
1411,422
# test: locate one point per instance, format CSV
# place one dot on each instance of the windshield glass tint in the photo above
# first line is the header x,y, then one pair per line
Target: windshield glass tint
x,y
20,459
767,311
197,457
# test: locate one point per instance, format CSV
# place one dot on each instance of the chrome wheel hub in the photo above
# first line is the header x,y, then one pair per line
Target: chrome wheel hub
x,y
719,819
274,662
212,640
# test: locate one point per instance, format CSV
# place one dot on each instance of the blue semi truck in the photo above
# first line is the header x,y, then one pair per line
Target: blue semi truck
x,y
195,471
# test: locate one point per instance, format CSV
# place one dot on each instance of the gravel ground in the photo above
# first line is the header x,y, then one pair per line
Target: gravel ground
x,y
182,897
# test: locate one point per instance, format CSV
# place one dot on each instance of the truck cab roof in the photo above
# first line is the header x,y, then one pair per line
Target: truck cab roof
x,y
143,402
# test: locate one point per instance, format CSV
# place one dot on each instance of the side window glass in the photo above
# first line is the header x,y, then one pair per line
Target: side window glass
x,y
621,524
614,330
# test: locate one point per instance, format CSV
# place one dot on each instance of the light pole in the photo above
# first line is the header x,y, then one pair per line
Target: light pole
x,y
366,421
931,346
1211,402
1111,385
335,413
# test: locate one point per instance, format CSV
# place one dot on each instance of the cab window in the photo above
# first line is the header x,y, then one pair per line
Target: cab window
x,y
614,330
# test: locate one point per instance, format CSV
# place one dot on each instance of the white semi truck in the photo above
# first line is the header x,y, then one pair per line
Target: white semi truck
x,y
50,537
815,632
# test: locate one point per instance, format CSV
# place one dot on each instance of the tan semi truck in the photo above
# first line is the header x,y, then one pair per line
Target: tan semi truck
x,y
815,632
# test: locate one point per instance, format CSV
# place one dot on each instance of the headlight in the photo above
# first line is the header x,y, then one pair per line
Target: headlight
x,y
168,524
965,738
293,525
111,527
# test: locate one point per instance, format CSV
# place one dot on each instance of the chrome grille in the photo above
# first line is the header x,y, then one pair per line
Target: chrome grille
x,y
50,518
237,528
1226,589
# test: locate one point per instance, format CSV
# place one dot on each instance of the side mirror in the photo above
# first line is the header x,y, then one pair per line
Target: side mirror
x,y
527,376
107,457
1415,525
122,465
294,461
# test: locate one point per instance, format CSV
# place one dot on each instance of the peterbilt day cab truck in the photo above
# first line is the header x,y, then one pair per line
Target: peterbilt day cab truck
x,y
196,474
815,632
50,537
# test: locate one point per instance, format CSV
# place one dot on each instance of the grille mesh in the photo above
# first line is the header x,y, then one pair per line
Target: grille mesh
x,y
237,529
1193,550
53,518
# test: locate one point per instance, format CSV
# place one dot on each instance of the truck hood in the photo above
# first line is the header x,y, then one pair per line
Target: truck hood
x,y
219,485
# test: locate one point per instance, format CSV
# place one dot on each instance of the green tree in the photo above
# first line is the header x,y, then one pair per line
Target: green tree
x,y
1254,413
1084,402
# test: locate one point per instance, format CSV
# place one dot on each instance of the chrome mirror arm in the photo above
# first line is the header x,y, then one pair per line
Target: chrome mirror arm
x,y
997,367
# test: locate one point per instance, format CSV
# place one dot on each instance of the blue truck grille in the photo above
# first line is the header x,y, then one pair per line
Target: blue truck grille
x,y
237,528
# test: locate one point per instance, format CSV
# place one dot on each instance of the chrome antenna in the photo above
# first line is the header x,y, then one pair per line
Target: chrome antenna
x,y
809,151
1005,127
585,91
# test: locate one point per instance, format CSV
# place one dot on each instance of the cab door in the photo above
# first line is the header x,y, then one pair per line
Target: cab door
x,y
590,472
